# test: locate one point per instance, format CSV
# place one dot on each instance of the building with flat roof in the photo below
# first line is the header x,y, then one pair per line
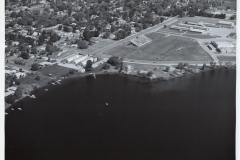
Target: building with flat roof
x,y
225,44
225,24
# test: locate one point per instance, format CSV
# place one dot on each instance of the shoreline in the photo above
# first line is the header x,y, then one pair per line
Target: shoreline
x,y
116,72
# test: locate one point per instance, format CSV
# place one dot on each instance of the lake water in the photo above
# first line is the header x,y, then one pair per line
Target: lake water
x,y
119,117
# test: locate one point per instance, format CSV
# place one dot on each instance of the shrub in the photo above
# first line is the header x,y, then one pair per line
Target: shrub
x,y
105,66
71,71
17,82
19,61
37,78
10,99
115,61
82,44
34,67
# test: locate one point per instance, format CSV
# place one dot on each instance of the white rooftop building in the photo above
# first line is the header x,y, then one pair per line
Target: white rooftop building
x,y
226,23
70,59
80,59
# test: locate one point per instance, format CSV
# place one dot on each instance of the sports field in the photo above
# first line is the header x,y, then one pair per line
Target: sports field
x,y
162,48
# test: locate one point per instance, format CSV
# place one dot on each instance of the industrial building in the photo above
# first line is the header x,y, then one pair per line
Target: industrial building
x,y
227,44
226,24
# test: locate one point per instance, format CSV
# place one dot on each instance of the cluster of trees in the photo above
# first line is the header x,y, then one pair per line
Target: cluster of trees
x,y
182,65
19,61
34,66
82,44
12,98
89,66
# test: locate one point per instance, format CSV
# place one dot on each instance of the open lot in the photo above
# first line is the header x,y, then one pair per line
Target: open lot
x,y
226,58
162,48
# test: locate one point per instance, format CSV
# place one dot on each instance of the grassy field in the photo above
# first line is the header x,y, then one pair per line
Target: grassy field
x,y
233,5
226,58
164,49
55,70
31,80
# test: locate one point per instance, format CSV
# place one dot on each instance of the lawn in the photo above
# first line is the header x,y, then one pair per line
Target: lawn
x,y
55,70
31,80
226,58
164,49
233,5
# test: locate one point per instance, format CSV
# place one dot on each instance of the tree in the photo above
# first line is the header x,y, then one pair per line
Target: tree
x,y
55,37
89,66
34,67
114,61
82,44
180,65
17,82
66,29
106,35
87,35
40,40
60,27
71,71
24,55
105,66
149,73
10,99
18,92
204,66
13,15
34,50
49,48
186,65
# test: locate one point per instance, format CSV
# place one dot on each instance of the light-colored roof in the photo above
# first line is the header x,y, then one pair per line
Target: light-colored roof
x,y
80,59
72,58
226,22
45,63
140,40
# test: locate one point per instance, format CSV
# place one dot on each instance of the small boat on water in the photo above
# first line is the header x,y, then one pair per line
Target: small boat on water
x,y
6,113
46,89
94,75
107,104
32,96
12,109
20,109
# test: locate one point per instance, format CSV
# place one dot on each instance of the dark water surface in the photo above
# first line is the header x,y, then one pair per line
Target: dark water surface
x,y
192,117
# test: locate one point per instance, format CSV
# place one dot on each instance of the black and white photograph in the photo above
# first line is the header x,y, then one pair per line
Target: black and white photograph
x,y
119,79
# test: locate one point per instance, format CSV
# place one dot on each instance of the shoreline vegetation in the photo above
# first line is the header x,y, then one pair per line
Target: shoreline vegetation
x,y
159,73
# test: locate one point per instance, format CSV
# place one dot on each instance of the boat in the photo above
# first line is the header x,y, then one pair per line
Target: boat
x,y
12,109
20,109
107,104
46,89
6,113
94,75
32,96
